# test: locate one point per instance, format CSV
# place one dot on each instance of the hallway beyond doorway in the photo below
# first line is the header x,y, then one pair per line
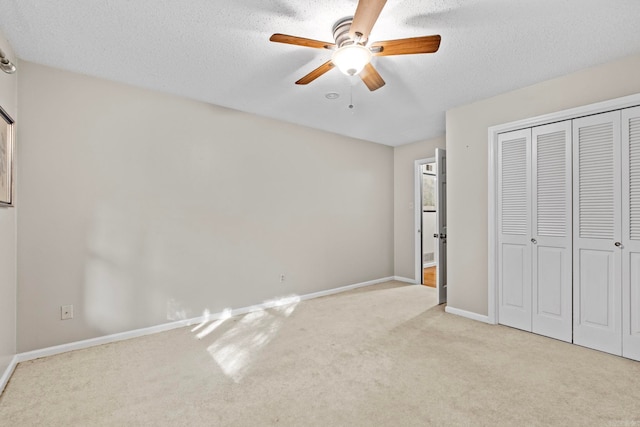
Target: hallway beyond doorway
x,y
429,276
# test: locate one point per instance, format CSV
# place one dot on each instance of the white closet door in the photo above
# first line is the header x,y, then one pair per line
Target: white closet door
x,y
551,249
597,232
514,224
631,233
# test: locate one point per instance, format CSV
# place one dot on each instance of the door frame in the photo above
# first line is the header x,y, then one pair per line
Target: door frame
x,y
417,215
493,132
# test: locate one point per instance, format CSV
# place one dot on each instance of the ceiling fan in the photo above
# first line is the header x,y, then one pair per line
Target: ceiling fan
x,y
350,51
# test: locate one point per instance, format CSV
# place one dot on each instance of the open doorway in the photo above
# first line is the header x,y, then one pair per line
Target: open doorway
x,y
428,205
431,223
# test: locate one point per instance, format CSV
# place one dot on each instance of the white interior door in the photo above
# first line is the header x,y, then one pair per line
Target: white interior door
x,y
631,233
441,225
597,232
514,220
551,231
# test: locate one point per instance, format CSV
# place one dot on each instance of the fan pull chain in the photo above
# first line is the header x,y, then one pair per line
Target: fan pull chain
x,y
351,96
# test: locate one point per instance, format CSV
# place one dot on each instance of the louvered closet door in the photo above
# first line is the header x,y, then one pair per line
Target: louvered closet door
x,y
514,223
551,249
631,233
597,228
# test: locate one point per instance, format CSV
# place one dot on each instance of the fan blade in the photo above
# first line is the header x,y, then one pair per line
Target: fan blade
x,y
316,73
300,41
371,77
426,44
366,15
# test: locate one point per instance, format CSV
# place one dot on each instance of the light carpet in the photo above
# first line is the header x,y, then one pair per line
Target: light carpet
x,y
383,355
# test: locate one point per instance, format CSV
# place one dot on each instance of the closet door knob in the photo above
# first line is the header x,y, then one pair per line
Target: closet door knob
x,y
534,241
618,244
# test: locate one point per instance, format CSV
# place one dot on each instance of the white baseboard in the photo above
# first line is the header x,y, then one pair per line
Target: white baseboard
x,y
344,288
7,373
78,345
404,279
467,314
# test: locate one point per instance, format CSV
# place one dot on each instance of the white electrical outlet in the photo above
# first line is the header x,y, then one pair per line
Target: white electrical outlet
x,y
282,277
66,312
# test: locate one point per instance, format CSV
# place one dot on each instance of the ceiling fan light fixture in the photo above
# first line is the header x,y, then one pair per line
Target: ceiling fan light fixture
x,y
351,59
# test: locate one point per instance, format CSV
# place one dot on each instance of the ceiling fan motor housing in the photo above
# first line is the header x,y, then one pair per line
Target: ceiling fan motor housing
x,y
341,33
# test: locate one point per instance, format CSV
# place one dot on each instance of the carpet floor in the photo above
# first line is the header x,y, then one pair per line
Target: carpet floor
x,y
384,355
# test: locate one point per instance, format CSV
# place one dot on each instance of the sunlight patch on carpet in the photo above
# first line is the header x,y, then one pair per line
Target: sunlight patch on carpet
x,y
226,314
206,316
238,347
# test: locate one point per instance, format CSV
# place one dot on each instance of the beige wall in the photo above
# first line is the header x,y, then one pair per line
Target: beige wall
x,y
404,214
140,208
8,101
467,157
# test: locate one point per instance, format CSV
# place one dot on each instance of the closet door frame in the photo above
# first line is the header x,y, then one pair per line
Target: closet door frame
x,y
493,133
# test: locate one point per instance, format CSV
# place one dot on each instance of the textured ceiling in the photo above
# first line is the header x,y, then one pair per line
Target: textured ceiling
x,y
218,52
